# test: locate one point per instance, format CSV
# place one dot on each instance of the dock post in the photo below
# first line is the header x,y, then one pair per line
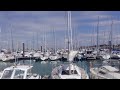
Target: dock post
x,y
23,49
41,49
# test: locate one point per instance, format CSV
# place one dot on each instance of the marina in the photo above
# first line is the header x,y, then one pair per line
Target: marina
x,y
44,68
47,48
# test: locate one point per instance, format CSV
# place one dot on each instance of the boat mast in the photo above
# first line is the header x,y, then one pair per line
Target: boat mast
x,y
98,36
27,47
93,35
17,46
91,39
33,41
104,39
70,44
0,38
12,46
54,37
70,27
65,41
75,40
44,40
68,35
37,40
111,37
65,35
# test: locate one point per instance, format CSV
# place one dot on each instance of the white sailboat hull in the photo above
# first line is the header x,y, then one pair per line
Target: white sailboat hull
x,y
55,75
95,74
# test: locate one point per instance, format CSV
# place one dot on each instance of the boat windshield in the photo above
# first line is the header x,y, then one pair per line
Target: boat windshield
x,y
66,72
7,74
19,74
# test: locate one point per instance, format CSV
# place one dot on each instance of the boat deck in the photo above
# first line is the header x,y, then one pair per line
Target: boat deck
x,y
54,74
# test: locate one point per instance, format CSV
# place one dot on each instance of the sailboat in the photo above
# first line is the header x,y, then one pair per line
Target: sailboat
x,y
70,70
45,54
54,56
110,55
105,72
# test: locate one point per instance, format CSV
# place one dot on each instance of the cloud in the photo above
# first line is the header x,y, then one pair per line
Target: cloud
x,y
26,23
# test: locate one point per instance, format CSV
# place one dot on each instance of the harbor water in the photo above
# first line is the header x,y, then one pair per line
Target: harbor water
x,y
45,67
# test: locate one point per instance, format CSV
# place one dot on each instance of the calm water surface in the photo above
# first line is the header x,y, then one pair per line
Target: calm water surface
x,y
45,67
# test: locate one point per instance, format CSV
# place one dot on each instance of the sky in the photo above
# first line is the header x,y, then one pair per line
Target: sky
x,y
31,26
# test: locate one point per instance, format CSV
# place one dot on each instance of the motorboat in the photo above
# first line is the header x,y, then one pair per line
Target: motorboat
x,y
18,72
